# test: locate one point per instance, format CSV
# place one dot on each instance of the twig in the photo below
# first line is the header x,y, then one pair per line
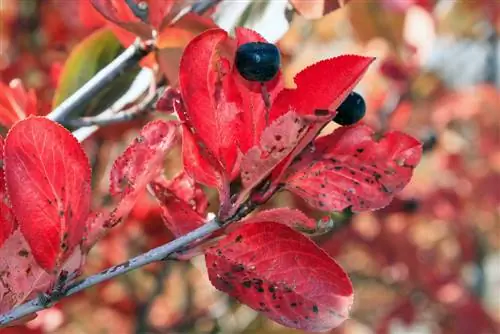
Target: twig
x,y
125,115
126,59
157,254
139,86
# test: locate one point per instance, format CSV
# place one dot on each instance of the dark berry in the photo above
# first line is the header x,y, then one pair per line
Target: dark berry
x,y
351,111
429,141
410,205
258,61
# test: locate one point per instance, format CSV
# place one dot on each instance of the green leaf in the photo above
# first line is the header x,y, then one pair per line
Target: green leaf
x,y
85,60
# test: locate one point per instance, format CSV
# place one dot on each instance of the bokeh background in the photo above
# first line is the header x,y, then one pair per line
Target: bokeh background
x,y
427,263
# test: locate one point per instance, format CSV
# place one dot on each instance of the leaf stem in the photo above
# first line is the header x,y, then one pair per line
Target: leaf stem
x,y
125,60
157,254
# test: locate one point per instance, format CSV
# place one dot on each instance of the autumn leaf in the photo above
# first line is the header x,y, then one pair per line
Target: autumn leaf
x,y
20,273
353,168
16,103
209,111
48,182
139,164
283,274
182,202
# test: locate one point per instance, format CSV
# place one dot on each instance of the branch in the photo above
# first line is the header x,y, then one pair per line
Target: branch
x,y
125,115
157,254
125,60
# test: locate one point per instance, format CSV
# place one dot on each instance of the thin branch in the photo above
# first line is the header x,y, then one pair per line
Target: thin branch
x,y
136,111
142,82
157,254
125,60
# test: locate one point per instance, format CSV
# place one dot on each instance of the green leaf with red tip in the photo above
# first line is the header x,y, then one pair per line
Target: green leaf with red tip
x,y
283,274
48,182
353,168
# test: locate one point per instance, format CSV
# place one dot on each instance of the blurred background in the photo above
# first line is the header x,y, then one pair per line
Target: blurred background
x,y
427,263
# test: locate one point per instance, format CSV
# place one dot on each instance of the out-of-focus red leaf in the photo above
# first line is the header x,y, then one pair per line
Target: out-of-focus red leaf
x,y
20,274
89,16
323,85
403,309
16,103
209,112
249,97
48,181
351,168
271,268
183,203
118,12
318,8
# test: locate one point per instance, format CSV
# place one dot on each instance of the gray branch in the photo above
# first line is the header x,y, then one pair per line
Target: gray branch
x,y
125,60
157,254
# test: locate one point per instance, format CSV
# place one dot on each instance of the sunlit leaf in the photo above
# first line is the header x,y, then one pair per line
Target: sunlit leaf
x,y
283,274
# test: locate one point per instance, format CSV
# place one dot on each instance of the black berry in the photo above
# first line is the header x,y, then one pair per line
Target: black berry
x,y
352,110
257,61
429,141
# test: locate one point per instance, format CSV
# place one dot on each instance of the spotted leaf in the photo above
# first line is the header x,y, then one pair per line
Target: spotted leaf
x,y
271,268
182,202
353,168
20,273
48,182
140,164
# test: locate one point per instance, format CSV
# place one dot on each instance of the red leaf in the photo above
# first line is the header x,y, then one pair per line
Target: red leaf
x,y
20,274
283,274
197,164
276,142
143,160
315,92
323,85
214,118
183,204
16,103
351,168
48,182
249,97
7,223
318,8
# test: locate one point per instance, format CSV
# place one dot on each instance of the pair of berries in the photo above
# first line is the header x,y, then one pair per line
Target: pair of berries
x,y
260,62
